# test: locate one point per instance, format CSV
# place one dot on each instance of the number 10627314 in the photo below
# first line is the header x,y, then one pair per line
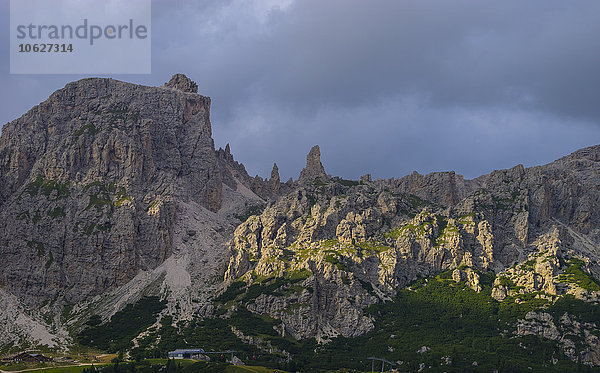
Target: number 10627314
x,y
45,48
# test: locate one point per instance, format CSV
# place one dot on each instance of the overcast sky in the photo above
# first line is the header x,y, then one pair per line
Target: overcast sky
x,y
384,87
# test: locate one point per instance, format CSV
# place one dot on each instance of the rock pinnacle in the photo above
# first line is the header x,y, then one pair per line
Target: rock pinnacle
x,y
314,168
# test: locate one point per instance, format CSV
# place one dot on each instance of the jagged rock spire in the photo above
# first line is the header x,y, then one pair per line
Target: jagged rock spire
x,y
275,172
274,181
182,83
314,168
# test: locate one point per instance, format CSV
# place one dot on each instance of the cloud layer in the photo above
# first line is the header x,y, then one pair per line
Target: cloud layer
x,y
384,87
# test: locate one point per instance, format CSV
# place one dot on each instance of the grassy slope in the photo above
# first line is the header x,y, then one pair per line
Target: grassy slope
x,y
449,318
159,362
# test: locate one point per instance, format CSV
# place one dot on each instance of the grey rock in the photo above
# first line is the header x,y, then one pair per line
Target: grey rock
x,y
89,181
111,190
182,83
314,168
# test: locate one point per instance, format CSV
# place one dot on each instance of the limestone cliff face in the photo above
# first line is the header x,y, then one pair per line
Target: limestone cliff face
x,y
359,243
363,240
89,181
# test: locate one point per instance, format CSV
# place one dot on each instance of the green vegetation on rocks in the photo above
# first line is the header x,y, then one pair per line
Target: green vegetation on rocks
x,y
37,246
456,324
89,128
576,274
250,211
46,187
117,334
57,212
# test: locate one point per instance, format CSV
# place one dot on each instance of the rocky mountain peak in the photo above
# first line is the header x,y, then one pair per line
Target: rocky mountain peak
x,y
94,175
275,172
274,181
182,83
314,168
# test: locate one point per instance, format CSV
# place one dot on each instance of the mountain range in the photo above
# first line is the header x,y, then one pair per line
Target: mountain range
x,y
124,229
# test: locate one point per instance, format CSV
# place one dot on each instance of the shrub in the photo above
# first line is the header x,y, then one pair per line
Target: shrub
x,y
125,325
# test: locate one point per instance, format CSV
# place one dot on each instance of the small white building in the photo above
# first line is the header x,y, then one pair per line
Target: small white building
x,y
192,353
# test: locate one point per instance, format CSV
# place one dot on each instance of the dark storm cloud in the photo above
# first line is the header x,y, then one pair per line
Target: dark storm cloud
x,y
539,55
385,87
